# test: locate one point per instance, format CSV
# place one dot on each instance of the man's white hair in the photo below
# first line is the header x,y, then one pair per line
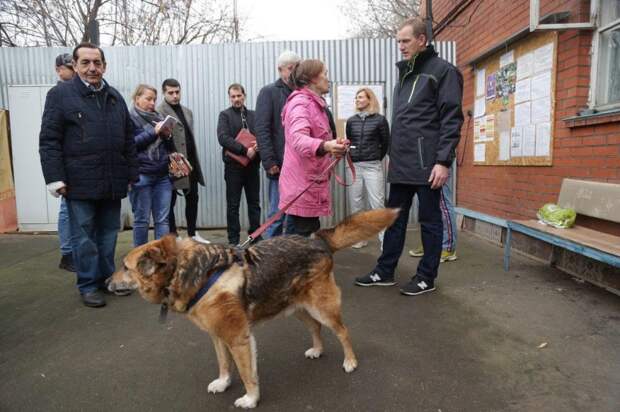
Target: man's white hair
x,y
288,57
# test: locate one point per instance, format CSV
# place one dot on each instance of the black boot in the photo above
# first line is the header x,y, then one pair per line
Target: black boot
x,y
66,263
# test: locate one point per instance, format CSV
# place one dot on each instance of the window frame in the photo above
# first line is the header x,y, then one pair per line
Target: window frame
x,y
594,100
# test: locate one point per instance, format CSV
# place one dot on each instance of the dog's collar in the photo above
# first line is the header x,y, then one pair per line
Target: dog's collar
x,y
205,288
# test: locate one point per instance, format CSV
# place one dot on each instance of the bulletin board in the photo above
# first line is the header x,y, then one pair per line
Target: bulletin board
x,y
344,101
514,104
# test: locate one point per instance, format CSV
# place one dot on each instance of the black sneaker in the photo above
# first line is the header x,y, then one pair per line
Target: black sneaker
x,y
417,286
374,279
66,263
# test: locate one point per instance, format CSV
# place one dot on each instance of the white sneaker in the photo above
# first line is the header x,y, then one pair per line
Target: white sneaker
x,y
200,239
360,245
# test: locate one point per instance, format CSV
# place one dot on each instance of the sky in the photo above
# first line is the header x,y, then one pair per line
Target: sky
x,y
273,20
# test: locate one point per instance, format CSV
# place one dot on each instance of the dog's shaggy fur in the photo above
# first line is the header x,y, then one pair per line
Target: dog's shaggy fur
x,y
286,273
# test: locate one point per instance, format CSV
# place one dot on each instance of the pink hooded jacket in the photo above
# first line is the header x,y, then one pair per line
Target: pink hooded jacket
x,y
306,126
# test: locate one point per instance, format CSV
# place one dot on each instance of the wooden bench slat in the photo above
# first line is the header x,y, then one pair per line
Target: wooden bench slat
x,y
601,241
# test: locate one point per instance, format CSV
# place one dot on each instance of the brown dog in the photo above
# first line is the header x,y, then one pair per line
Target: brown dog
x,y
286,273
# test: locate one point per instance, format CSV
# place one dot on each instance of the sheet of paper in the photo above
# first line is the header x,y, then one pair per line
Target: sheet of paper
x,y
541,85
529,140
480,130
516,142
476,130
490,127
504,146
506,58
491,84
480,152
480,106
522,91
480,82
541,110
525,66
543,139
543,58
522,114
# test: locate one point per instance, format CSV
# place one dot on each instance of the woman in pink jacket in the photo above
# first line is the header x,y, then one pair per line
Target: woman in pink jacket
x,y
308,143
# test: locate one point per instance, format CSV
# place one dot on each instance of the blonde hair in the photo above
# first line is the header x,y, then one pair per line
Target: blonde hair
x,y
140,89
373,107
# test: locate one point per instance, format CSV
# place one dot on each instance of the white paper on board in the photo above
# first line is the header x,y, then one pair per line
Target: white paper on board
x,y
506,58
480,82
525,66
522,114
543,139
543,58
522,91
541,85
529,140
541,110
516,142
479,152
504,146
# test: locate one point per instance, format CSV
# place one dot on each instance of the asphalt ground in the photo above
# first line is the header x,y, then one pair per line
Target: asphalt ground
x,y
532,339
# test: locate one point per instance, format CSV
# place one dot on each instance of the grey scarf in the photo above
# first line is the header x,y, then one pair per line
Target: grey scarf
x,y
147,120
363,115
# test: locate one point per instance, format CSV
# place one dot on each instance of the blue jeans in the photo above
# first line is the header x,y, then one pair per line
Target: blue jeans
x,y
448,217
64,228
94,227
285,223
151,195
430,220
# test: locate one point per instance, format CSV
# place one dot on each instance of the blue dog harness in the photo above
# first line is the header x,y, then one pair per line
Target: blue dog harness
x,y
205,288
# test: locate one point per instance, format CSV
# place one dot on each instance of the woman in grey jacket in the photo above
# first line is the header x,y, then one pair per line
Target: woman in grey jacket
x,y
369,134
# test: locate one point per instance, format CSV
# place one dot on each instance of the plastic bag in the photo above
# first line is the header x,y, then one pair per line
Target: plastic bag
x,y
554,215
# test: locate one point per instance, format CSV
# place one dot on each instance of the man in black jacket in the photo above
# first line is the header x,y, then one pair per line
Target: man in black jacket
x,y
270,135
426,125
237,176
88,156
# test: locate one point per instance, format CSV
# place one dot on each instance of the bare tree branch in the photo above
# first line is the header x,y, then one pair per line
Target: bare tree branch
x,y
378,18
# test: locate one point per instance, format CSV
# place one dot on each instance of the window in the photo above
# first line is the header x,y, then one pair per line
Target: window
x,y
606,47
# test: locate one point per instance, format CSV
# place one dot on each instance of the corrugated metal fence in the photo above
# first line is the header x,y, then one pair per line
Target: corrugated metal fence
x,y
205,71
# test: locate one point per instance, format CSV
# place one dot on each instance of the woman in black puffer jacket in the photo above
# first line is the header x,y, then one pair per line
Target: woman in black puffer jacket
x,y
153,193
369,134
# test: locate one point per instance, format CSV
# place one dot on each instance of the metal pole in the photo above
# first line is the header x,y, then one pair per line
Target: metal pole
x,y
429,21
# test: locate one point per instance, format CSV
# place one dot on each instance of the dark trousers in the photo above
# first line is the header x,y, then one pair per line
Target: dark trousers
x,y
191,208
432,230
238,179
94,227
304,226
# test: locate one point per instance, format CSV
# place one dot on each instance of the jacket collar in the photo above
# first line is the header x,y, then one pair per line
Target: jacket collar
x,y
282,85
311,95
419,58
84,89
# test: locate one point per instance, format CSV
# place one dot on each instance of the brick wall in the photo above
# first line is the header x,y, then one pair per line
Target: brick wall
x,y
584,151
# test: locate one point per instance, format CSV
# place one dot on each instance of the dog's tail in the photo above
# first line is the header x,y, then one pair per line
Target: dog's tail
x,y
358,227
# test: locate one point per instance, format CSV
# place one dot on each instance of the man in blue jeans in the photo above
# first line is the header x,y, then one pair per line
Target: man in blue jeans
x,y
88,156
426,125
270,135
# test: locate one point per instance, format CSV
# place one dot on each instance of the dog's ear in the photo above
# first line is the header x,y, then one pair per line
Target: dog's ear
x,y
158,256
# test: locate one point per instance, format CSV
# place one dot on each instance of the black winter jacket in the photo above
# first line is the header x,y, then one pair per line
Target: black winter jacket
x,y
369,137
426,118
269,128
157,163
86,141
228,127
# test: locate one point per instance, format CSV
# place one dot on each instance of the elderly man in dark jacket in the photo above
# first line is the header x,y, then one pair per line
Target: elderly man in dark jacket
x,y
270,135
88,156
426,125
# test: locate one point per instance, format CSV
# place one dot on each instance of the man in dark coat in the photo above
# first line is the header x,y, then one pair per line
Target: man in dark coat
x,y
185,143
426,125
270,135
239,177
88,156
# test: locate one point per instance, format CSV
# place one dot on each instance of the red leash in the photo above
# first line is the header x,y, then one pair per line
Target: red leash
x,y
281,212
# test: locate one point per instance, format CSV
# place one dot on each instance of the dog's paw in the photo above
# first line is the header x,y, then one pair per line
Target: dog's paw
x,y
246,402
219,385
349,365
313,353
